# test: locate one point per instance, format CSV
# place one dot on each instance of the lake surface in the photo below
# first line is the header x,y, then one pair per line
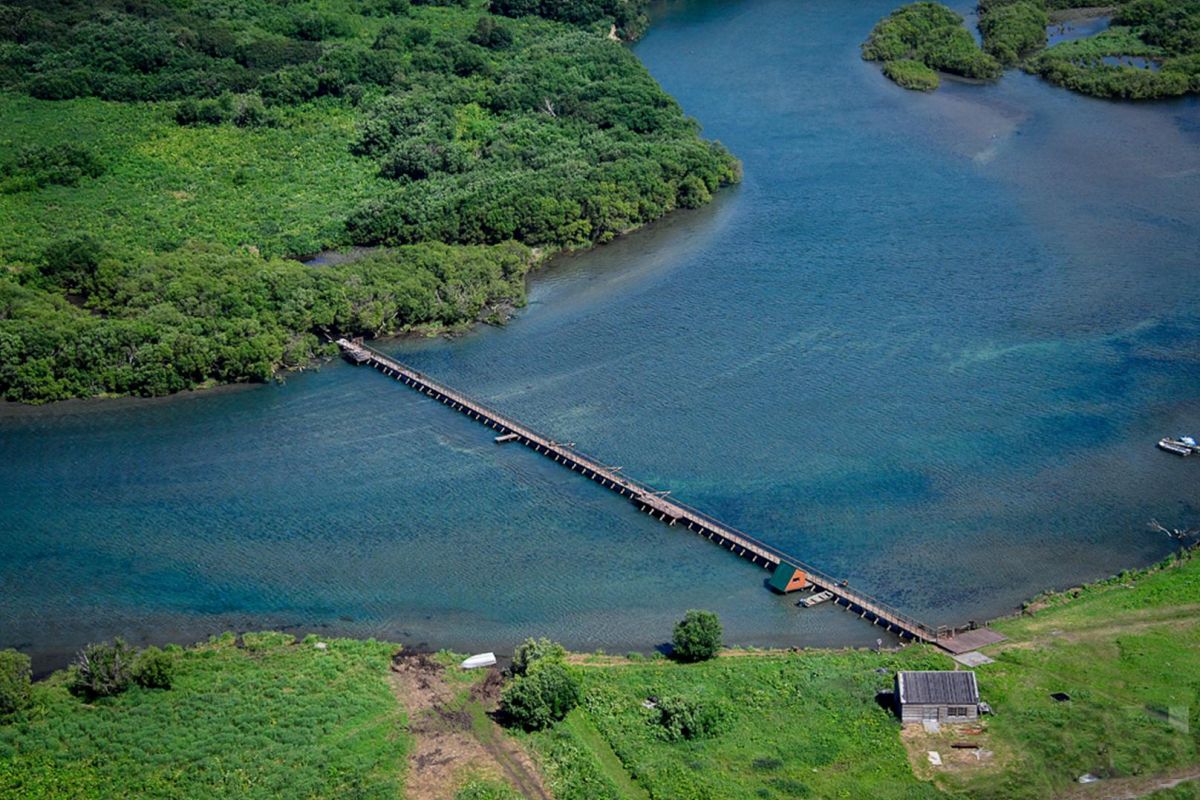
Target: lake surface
x,y
927,345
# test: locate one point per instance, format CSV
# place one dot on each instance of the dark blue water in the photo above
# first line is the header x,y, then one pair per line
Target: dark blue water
x,y
928,345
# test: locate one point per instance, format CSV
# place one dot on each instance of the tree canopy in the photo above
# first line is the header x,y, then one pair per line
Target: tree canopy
x,y
928,34
697,636
464,144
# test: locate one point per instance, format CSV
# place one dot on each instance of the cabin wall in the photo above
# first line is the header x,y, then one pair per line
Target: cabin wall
x,y
919,712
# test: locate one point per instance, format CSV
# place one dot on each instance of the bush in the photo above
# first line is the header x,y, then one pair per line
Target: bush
x,y
911,74
697,636
486,790
491,34
532,651
542,696
1013,30
14,682
39,165
102,670
72,263
687,718
154,669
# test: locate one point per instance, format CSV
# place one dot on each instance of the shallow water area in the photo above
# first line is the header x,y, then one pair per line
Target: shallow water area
x,y
1068,30
1137,62
928,344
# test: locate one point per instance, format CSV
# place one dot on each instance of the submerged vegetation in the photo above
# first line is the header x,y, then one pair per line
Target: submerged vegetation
x,y
1152,49
919,38
165,162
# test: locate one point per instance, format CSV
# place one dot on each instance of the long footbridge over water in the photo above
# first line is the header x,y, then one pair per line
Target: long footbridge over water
x,y
788,573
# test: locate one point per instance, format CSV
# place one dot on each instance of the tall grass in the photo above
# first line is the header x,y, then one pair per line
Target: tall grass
x,y
267,720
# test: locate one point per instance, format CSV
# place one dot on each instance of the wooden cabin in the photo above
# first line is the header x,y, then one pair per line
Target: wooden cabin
x,y
947,697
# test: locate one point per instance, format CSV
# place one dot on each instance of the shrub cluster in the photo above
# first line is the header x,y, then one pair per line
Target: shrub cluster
x,y
244,110
911,74
681,717
628,15
1154,30
43,165
934,36
14,683
543,689
1012,28
570,145
163,323
697,636
105,670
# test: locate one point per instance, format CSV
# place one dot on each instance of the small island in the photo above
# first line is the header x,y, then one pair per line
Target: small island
x,y
1151,49
917,41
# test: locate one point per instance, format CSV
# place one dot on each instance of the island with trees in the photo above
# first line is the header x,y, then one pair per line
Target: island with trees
x,y
169,164
1151,49
918,40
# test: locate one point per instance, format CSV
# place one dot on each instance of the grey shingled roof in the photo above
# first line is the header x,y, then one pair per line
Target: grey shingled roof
x,y
939,688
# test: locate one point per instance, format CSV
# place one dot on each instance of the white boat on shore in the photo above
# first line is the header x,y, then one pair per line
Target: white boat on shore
x,y
479,660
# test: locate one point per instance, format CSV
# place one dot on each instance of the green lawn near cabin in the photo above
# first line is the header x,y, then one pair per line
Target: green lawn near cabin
x,y
1127,651
797,725
270,718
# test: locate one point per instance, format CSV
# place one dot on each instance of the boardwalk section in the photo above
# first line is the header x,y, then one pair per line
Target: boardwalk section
x,y
789,573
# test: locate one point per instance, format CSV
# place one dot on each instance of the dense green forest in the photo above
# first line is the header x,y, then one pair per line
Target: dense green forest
x,y
917,39
163,163
1152,48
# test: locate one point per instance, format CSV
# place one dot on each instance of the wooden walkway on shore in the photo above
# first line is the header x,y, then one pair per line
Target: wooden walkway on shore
x,y
650,500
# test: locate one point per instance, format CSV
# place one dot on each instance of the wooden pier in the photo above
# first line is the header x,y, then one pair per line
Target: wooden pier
x,y
788,573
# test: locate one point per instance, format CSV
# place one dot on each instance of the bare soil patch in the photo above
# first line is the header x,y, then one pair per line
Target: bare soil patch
x,y
964,761
454,740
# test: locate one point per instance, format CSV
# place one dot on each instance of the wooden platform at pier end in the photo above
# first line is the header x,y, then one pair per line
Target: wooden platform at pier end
x,y
966,641
656,503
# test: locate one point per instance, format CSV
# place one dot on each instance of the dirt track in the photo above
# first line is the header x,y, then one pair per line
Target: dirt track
x,y
450,744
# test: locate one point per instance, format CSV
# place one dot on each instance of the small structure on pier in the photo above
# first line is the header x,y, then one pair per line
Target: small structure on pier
x,y
788,578
937,696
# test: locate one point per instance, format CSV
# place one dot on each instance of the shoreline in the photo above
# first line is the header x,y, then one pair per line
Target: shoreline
x,y
497,315
1047,599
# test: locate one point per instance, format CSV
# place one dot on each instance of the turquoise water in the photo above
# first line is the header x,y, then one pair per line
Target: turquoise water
x,y
928,345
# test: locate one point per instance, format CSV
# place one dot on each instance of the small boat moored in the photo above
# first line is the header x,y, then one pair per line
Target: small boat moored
x,y
816,599
1183,446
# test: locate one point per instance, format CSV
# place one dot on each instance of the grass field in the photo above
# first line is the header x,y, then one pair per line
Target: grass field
x,y
267,719
1128,653
281,190
799,725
